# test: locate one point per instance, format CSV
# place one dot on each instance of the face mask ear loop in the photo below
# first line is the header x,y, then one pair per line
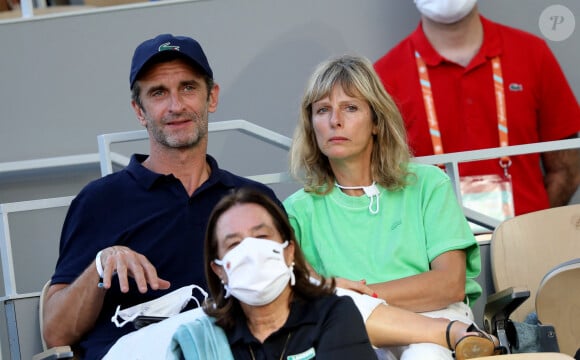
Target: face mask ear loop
x,y
376,210
202,291
226,287
292,276
121,324
291,267
373,193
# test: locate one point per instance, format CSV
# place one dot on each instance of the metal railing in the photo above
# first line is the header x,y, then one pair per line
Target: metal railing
x,y
452,160
6,254
48,163
107,158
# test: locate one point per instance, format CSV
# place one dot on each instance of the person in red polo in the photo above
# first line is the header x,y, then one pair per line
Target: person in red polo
x,y
463,82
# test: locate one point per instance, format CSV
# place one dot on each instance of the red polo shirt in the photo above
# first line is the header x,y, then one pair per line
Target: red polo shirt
x,y
539,102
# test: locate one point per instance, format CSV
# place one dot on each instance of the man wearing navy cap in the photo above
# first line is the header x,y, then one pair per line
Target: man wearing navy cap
x,y
137,234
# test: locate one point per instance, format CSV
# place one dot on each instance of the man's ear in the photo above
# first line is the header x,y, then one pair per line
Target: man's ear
x,y
139,112
213,98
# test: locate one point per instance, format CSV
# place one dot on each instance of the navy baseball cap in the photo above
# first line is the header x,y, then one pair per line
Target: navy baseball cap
x,y
186,46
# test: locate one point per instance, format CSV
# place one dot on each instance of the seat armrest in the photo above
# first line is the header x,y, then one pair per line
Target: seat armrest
x,y
501,304
496,315
57,352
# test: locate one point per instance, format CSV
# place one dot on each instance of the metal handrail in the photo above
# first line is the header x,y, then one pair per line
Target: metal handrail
x,y
452,160
5,240
47,163
107,158
244,126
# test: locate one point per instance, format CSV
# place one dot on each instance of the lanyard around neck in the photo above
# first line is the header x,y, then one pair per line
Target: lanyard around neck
x,y
427,92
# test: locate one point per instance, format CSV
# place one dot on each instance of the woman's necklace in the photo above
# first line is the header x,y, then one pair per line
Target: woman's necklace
x,y
283,350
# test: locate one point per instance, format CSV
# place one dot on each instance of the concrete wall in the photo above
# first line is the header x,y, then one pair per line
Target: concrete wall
x,y
65,79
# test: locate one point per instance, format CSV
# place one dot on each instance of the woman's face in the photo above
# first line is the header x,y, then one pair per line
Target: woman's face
x,y
246,220
343,126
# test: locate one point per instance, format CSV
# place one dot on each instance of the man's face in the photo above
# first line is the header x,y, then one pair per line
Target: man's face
x,y
175,104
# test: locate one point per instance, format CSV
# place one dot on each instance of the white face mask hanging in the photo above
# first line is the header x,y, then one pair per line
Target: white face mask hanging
x,y
257,271
165,306
371,191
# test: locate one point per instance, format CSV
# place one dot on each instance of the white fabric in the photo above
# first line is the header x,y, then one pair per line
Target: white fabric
x,y
445,11
257,271
427,351
152,341
164,306
364,303
372,191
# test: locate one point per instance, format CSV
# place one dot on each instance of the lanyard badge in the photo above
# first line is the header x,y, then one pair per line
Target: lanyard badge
x,y
489,194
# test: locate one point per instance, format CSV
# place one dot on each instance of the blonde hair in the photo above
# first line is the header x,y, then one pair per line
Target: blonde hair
x,y
390,153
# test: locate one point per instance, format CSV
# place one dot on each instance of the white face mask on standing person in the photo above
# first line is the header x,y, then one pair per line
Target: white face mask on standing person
x,y
257,271
445,11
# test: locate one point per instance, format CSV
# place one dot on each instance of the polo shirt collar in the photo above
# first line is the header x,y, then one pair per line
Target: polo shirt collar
x,y
148,178
300,314
490,48
492,44
423,46
141,174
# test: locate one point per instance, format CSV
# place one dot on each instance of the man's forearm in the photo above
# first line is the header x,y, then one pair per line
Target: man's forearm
x,y
559,190
562,175
71,310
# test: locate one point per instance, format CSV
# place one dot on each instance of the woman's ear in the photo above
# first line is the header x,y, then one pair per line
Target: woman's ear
x,y
219,271
289,252
375,130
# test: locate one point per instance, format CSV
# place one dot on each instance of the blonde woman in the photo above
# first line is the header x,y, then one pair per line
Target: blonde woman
x,y
381,224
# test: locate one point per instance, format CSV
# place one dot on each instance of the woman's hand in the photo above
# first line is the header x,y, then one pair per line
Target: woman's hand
x,y
359,286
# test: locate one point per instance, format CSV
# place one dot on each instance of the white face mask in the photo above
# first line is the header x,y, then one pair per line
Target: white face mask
x,y
371,191
445,11
165,306
257,271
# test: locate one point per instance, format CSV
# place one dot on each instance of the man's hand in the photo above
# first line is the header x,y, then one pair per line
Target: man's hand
x,y
124,262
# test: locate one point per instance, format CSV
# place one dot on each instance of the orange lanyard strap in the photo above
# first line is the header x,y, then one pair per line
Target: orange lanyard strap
x,y
427,92
429,105
502,126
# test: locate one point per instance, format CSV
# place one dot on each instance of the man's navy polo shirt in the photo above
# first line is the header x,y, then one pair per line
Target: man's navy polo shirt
x,y
151,214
